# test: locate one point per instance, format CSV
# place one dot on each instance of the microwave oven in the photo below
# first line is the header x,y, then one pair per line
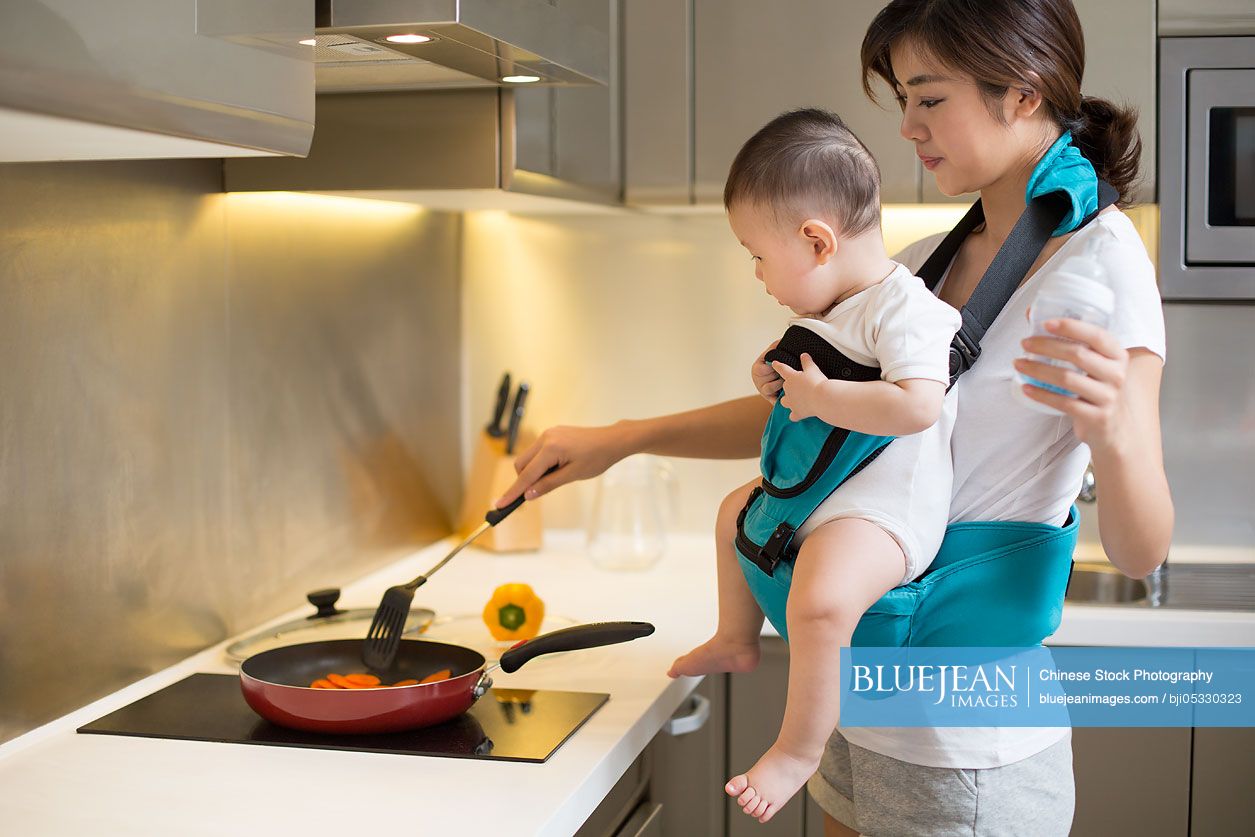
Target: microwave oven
x,y
1207,168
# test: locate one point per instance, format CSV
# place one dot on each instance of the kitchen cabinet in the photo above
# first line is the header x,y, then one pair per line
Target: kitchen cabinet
x,y
1131,780
754,60
700,76
675,787
615,814
155,78
690,767
1120,56
573,133
755,710
1222,787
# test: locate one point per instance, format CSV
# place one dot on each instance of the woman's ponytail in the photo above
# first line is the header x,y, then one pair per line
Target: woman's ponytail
x,y
1107,135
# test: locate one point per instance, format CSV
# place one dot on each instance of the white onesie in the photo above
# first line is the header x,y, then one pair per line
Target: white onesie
x,y
900,326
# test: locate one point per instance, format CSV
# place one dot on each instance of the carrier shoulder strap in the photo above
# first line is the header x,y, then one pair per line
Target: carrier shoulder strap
x,y
1006,271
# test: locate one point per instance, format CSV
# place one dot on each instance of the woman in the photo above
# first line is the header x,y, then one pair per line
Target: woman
x,y
985,89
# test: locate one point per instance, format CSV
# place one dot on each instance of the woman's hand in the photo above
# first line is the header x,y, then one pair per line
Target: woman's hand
x,y
766,381
577,452
801,389
1100,413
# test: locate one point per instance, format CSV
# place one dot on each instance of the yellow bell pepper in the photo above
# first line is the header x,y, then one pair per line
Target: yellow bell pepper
x,y
514,612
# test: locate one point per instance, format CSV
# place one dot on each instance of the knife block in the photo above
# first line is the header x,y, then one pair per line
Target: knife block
x,y
492,472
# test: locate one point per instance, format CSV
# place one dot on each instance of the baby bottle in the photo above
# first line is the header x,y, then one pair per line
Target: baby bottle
x,y
1078,290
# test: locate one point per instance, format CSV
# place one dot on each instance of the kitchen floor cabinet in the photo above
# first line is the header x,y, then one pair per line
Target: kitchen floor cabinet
x,y
1222,786
1131,780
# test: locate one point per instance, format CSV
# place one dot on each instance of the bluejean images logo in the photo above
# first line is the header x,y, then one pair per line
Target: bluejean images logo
x,y
1047,687
975,686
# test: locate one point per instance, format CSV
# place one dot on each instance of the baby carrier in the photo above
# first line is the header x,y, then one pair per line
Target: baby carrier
x,y
992,583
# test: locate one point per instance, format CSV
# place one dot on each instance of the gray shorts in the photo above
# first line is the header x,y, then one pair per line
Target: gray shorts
x,y
879,795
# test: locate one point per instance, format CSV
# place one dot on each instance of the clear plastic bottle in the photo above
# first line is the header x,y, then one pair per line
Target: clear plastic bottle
x,y
1079,290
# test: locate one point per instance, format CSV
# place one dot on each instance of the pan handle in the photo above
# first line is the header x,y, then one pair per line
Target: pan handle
x,y
570,639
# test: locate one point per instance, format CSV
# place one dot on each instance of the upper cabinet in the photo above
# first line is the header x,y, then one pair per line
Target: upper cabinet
x,y
700,76
155,78
1120,62
755,60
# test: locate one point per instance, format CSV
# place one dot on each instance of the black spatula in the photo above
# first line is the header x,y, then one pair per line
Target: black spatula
x,y
384,637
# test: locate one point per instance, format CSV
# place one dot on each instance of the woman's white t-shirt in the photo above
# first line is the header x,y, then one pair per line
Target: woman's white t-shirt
x,y
1013,463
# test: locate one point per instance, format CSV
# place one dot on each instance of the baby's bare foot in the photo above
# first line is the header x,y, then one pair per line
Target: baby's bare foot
x,y
770,783
716,655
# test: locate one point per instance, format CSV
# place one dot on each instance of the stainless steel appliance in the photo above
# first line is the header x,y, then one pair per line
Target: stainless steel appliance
x,y
1207,167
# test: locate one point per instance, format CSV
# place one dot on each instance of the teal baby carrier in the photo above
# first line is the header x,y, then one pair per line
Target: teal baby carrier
x,y
992,583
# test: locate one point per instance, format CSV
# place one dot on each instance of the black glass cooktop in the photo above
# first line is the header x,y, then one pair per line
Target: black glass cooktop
x,y
506,724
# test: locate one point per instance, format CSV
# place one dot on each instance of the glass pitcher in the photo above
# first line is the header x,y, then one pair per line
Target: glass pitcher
x,y
631,511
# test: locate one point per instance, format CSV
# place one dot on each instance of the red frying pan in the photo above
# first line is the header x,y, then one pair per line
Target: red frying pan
x,y
276,682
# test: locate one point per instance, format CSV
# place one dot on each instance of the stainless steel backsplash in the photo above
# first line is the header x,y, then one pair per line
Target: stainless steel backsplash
x,y
1208,411
209,404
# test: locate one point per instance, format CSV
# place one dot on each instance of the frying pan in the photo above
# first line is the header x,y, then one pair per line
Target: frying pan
x,y
275,683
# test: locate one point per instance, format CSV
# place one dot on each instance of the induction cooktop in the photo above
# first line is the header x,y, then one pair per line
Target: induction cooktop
x,y
505,724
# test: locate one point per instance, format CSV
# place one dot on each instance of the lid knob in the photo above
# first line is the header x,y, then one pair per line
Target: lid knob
x,y
325,601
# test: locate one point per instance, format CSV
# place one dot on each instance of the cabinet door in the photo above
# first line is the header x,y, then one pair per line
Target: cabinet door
x,y
755,710
690,769
1131,781
198,78
572,133
1120,67
754,60
658,102
1223,783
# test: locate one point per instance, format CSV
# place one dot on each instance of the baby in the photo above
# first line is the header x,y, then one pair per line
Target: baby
x,y
802,197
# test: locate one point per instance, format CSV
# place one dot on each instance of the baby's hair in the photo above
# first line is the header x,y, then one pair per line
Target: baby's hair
x,y
805,162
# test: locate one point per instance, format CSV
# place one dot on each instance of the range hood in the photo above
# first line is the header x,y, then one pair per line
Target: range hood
x,y
375,45
444,130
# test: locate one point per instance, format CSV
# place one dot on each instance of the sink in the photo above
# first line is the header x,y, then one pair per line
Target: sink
x,y
1094,583
1188,586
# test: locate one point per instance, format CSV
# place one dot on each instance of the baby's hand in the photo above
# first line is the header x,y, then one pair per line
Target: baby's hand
x,y
801,389
766,381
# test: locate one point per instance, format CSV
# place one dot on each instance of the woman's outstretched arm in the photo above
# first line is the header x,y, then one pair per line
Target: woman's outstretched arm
x,y
729,430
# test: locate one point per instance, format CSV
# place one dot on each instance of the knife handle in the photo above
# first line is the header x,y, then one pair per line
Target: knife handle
x,y
516,418
495,429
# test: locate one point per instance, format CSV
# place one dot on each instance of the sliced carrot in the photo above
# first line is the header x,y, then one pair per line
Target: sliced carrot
x,y
367,681
321,684
435,677
339,681
410,682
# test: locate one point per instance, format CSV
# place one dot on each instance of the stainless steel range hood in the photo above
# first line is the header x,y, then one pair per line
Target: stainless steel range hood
x,y
374,45
452,136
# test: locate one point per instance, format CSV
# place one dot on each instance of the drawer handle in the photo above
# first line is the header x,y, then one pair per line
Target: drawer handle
x,y
694,718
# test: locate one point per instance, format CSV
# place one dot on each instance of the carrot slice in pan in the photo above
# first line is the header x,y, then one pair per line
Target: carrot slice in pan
x,y
435,677
339,681
410,682
366,681
322,684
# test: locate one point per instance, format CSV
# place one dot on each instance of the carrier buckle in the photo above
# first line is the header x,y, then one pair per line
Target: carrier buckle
x,y
775,548
963,353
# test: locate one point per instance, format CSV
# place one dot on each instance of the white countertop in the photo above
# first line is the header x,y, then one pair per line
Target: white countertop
x,y
56,782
